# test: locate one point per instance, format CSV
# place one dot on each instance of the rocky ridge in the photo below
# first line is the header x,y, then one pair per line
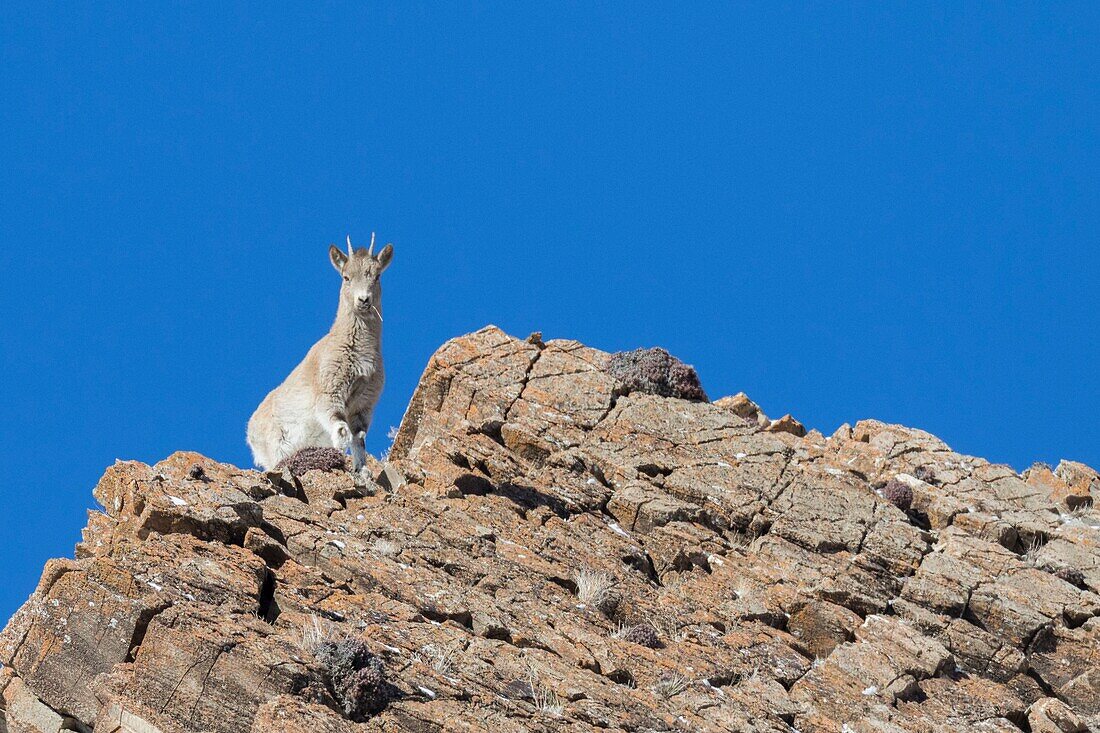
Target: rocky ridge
x,y
548,550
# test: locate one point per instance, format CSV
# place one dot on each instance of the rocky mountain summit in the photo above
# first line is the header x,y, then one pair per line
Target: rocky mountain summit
x,y
561,540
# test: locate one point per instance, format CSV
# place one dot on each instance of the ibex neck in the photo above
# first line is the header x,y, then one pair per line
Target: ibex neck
x,y
361,331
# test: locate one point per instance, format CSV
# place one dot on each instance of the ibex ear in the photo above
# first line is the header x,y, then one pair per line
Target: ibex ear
x,y
385,256
339,259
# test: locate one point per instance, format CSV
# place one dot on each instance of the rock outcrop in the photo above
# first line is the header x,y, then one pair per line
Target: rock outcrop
x,y
548,549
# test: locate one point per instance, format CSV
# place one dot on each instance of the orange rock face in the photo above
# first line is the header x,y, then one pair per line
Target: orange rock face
x,y
546,550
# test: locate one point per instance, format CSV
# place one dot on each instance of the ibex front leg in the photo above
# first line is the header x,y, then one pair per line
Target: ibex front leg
x,y
359,452
332,419
360,423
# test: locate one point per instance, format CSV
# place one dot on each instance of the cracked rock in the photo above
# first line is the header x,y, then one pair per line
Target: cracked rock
x,y
760,580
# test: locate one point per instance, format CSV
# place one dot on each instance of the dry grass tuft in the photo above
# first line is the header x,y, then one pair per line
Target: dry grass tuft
x,y
386,546
670,686
593,586
545,700
440,658
1031,554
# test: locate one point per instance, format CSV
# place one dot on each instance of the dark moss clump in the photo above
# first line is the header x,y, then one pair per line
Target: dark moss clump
x,y
899,494
609,603
314,459
643,634
655,371
1073,576
519,690
357,677
927,474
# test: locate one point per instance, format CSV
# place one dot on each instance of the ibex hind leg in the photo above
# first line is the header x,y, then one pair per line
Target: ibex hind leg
x,y
266,449
272,453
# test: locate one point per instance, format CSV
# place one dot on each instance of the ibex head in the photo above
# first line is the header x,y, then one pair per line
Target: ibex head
x,y
361,269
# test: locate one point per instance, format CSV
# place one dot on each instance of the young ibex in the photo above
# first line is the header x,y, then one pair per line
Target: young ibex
x,y
328,399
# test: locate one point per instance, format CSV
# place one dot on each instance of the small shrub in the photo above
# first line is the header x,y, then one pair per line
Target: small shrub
x,y
314,459
739,540
357,677
643,634
668,625
655,371
311,635
899,494
1078,513
365,693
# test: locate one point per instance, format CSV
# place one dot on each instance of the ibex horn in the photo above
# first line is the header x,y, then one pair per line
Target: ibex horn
x,y
349,246
370,251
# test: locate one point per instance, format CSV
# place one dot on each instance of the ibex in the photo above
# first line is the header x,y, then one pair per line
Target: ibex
x,y
328,399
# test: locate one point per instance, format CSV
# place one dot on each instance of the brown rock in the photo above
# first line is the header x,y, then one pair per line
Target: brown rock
x,y
735,578
199,669
78,625
1066,660
23,712
292,714
1079,476
1071,494
642,507
787,424
1051,715
822,626
741,405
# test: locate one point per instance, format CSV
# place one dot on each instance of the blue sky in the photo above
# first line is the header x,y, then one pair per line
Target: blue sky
x,y
877,210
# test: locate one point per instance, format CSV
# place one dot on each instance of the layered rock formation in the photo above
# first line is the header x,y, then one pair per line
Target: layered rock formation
x,y
550,548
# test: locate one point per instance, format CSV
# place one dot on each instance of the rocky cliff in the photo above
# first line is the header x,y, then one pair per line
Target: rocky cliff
x,y
560,541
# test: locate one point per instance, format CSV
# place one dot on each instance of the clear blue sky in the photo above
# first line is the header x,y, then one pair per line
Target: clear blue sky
x,y
888,210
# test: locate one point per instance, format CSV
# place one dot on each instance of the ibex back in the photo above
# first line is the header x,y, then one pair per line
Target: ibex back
x,y
328,399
